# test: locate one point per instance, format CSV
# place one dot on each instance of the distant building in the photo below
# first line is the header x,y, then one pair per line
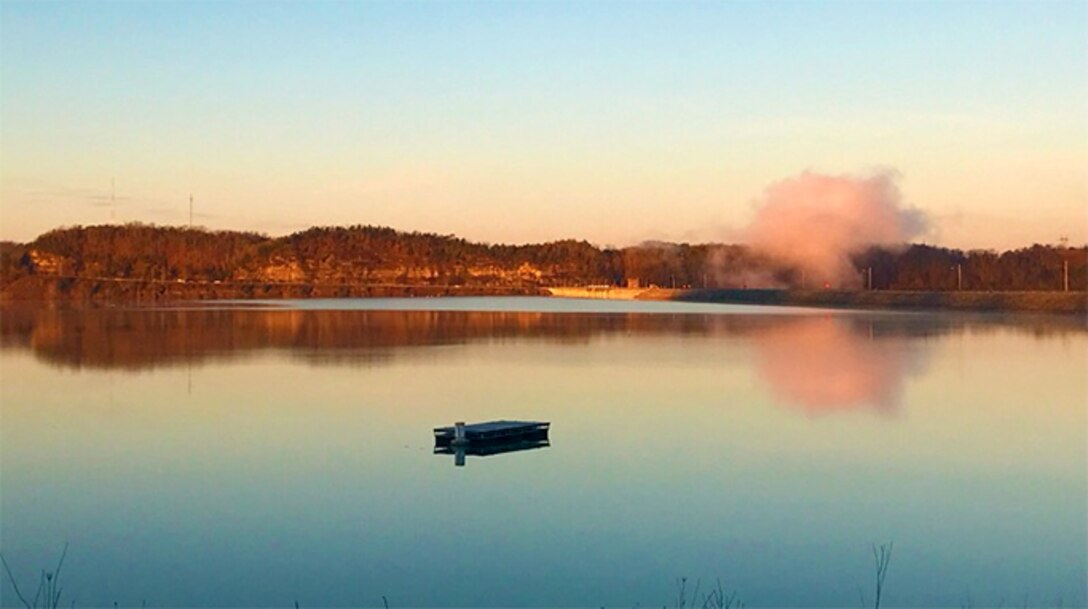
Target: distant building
x,y
633,283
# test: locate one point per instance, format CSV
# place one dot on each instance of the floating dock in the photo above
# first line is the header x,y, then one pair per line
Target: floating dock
x,y
491,438
492,431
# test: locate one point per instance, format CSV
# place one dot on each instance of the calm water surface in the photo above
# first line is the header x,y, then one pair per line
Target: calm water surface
x,y
253,455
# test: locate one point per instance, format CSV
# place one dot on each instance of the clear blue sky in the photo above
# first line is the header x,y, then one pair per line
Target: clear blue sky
x,y
503,121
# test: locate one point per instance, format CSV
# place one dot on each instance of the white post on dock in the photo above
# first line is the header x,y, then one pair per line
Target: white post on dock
x,y
459,432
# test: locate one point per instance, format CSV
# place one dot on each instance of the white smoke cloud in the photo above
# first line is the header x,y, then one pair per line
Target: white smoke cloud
x,y
815,222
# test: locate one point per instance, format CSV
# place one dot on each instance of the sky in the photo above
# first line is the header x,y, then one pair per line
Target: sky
x,y
615,122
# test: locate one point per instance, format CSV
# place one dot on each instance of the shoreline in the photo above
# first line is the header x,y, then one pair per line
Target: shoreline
x,y
1061,303
127,291
100,290
1064,303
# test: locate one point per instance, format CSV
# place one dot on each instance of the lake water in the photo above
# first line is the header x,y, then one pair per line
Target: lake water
x,y
251,454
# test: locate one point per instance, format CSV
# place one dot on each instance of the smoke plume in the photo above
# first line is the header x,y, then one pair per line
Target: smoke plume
x,y
815,222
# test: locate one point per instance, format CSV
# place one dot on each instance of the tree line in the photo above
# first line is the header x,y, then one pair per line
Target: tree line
x,y
379,255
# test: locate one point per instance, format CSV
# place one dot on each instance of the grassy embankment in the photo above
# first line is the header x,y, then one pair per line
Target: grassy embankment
x,y
1027,302
1034,302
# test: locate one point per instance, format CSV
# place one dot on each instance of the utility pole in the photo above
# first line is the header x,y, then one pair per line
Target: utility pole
x,y
870,277
959,277
190,211
113,197
1065,263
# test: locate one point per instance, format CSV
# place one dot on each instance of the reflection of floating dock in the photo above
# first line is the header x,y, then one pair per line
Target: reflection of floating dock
x,y
491,448
491,438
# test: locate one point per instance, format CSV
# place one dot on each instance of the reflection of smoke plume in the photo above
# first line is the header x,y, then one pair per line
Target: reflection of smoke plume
x,y
824,364
815,222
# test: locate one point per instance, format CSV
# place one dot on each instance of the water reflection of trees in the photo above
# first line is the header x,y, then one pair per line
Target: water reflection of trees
x,y
817,362
135,339
144,338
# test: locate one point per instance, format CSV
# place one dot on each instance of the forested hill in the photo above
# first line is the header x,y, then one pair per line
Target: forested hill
x,y
368,255
359,254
